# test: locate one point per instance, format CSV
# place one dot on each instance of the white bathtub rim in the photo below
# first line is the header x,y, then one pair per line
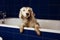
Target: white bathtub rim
x,y
43,30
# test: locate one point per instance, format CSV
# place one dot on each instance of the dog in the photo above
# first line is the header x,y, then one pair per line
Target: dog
x,y
27,16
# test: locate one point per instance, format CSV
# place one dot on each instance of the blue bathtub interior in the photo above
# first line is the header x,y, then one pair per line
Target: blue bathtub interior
x,y
14,34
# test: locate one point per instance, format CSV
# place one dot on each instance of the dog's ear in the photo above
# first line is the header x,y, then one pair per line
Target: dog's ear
x,y
20,15
32,13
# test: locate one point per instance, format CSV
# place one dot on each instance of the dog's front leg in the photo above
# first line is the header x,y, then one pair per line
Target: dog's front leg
x,y
21,28
37,29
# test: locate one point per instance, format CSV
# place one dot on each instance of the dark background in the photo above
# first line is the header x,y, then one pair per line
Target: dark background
x,y
44,9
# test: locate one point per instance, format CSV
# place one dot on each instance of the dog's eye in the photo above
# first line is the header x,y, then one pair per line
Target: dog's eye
x,y
29,10
23,10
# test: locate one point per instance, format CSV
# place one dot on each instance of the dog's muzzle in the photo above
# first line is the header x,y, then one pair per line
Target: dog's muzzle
x,y
27,14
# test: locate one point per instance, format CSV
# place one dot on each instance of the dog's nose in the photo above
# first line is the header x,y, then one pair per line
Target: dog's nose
x,y
27,14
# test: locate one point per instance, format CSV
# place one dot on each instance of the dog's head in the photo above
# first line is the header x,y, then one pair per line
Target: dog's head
x,y
26,12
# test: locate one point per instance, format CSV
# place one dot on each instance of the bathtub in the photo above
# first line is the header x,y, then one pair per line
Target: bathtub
x,y
50,30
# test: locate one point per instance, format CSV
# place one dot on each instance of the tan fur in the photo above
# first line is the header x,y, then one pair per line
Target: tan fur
x,y
28,21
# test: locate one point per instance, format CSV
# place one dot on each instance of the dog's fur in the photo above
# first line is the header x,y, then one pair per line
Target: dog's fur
x,y
28,19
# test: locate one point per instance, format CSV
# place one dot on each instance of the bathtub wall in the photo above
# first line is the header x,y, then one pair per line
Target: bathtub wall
x,y
45,24
44,9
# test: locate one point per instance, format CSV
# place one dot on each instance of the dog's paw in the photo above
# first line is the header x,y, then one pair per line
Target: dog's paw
x,y
21,31
38,33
